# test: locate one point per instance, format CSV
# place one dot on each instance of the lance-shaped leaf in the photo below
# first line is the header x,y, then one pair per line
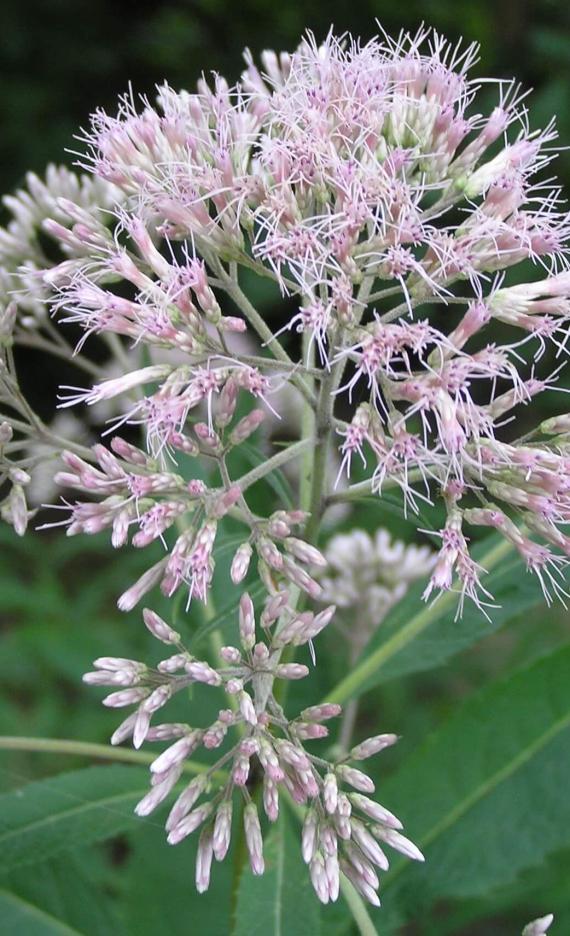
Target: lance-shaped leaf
x,y
57,897
64,812
416,636
282,902
486,797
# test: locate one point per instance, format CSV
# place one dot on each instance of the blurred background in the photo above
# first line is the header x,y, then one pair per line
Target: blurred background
x,y
59,60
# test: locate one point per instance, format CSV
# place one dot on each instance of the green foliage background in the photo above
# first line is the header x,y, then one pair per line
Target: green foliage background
x,y
483,787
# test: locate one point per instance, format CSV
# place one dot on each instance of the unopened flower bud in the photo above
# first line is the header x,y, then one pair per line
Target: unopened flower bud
x,y
159,628
246,427
322,712
291,671
246,622
372,746
226,403
304,551
253,839
240,563
538,927
356,778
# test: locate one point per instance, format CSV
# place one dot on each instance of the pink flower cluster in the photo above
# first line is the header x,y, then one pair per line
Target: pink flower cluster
x,y
359,179
343,829
350,174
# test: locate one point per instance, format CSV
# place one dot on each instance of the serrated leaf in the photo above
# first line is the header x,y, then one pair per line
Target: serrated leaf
x,y
282,901
486,796
67,811
418,637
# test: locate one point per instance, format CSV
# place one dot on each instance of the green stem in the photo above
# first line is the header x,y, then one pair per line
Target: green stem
x,y
308,423
233,290
271,464
352,684
86,749
358,908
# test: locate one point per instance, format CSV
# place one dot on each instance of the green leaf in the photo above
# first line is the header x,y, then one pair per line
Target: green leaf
x,y
486,797
418,637
59,895
160,896
19,916
282,901
67,811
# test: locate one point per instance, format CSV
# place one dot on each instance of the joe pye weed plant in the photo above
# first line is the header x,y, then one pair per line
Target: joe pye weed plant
x,y
422,250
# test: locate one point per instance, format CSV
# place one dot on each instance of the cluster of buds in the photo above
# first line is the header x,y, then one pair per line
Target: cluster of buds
x,y
62,215
14,507
138,493
343,828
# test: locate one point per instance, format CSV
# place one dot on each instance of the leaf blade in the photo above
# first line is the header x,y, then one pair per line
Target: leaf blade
x,y
282,901
50,816
478,778
412,640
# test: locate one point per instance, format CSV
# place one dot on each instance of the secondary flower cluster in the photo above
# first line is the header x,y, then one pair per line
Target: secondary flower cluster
x,y
365,576
137,493
343,828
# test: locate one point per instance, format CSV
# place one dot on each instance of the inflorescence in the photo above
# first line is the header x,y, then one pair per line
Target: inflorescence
x,y
361,182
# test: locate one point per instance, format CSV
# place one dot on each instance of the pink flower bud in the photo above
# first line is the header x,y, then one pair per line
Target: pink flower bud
x,y
304,552
253,839
225,502
322,712
269,552
309,731
189,824
226,403
222,829
230,655
208,438
240,563
374,810
204,861
291,671
202,672
356,778
270,798
246,427
186,801
6,432
176,753
247,708
372,746
159,628
246,622
309,835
